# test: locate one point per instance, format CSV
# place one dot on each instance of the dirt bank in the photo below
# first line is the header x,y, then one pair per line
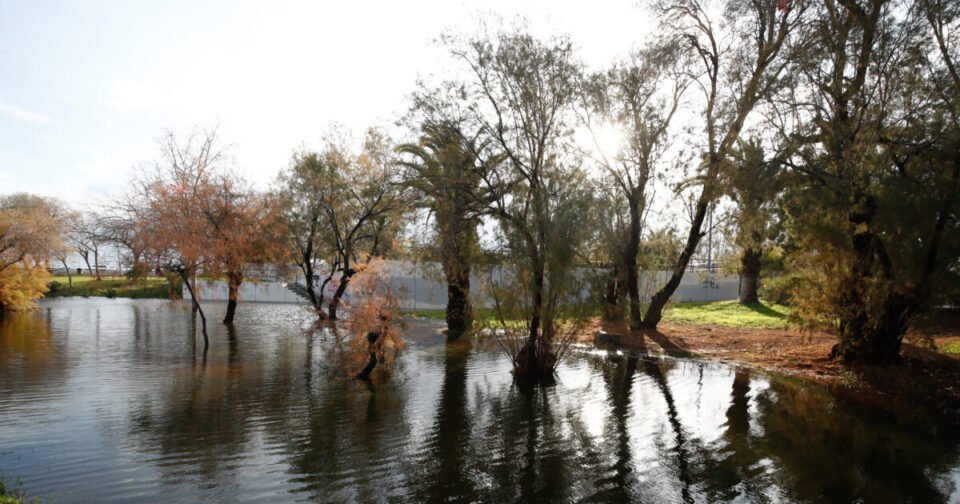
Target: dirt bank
x,y
924,376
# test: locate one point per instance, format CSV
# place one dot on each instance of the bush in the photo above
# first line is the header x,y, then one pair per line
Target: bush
x,y
138,271
780,289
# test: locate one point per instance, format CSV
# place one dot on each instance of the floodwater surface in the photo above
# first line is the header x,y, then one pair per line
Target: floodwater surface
x,y
105,400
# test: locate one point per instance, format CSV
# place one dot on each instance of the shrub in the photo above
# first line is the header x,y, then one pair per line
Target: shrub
x,y
780,289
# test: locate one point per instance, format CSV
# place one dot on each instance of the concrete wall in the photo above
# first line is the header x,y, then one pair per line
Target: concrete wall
x,y
422,287
269,292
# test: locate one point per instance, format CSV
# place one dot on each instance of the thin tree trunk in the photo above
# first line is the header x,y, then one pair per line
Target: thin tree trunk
x,y
197,308
749,275
659,300
86,259
611,310
69,276
630,263
307,267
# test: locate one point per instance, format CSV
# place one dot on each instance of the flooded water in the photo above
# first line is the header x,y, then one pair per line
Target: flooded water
x,y
107,400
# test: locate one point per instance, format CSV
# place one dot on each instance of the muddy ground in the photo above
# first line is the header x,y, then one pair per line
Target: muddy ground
x,y
925,377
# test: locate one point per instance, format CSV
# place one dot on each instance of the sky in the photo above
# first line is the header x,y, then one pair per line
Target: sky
x,y
87,87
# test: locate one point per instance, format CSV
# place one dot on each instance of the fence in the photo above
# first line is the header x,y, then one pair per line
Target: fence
x,y
422,287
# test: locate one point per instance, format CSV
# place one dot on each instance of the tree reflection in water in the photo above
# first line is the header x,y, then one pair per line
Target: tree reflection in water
x,y
262,419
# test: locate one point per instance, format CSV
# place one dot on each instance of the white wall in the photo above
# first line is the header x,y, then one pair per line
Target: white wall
x,y
423,287
261,292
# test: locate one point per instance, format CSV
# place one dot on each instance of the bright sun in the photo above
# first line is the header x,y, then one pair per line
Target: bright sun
x,y
605,141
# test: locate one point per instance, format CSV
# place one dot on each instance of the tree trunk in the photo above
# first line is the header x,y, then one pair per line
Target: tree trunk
x,y
197,308
611,308
536,359
233,286
459,317
877,344
659,300
749,275
630,263
86,259
335,302
314,300
307,267
861,342
69,276
372,338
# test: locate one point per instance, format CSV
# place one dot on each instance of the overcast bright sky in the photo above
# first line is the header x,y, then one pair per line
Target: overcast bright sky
x,y
86,87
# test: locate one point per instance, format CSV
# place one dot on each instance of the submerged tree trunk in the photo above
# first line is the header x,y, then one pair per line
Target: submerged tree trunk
x,y
536,358
459,317
306,265
197,308
233,286
372,338
315,301
749,275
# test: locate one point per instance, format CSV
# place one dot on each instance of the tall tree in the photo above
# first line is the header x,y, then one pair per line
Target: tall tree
x,y
740,59
752,182
875,110
205,214
88,237
347,204
68,231
299,192
521,93
30,234
447,175
639,95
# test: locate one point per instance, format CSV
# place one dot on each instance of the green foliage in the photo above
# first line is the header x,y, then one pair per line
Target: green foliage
x,y
871,201
445,174
137,272
752,181
147,288
541,195
781,289
951,348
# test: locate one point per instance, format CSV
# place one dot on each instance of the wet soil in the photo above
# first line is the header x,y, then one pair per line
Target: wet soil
x,y
925,376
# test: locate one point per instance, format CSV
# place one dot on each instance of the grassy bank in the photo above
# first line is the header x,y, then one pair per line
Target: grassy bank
x,y
111,286
729,313
725,313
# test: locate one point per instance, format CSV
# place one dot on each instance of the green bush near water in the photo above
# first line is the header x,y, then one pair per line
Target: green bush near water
x,y
114,287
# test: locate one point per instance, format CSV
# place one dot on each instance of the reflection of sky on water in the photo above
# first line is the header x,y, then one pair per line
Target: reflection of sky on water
x,y
112,401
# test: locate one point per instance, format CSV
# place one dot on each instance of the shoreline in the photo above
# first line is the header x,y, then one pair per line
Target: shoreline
x,y
925,377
